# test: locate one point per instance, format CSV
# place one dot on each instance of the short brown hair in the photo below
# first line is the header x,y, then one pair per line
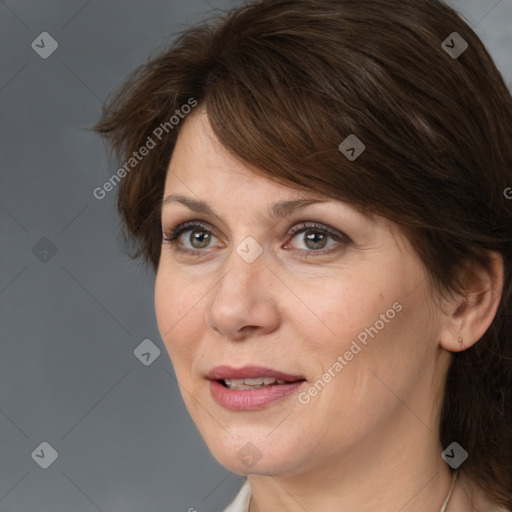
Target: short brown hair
x,y
284,82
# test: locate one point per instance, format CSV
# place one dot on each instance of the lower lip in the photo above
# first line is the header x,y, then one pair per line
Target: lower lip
x,y
251,399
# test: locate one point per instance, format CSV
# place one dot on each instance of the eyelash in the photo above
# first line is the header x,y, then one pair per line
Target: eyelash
x,y
171,237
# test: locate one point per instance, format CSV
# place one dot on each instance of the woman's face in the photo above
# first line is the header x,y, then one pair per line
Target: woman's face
x,y
341,313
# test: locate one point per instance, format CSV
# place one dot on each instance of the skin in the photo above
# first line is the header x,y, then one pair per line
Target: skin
x,y
369,440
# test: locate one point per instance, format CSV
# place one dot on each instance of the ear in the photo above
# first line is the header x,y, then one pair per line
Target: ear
x,y
468,316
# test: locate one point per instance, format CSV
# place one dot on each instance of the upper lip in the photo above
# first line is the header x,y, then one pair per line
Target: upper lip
x,y
249,372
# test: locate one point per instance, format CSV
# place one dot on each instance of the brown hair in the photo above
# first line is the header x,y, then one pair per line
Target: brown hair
x,y
284,82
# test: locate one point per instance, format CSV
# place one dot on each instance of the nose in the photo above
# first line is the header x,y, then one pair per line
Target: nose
x,y
244,301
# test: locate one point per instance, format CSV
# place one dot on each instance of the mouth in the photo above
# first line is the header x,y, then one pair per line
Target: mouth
x,y
257,383
251,377
251,387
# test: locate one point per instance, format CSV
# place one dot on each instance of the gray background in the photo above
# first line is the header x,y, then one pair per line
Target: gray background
x,y
70,320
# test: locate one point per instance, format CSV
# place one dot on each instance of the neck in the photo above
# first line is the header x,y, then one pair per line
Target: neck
x,y
400,469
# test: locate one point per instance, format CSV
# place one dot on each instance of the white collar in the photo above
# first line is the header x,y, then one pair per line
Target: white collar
x,y
241,502
242,499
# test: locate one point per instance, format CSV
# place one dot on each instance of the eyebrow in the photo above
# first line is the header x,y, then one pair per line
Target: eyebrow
x,y
276,210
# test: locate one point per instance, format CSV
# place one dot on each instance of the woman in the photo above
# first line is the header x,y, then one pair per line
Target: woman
x,y
321,193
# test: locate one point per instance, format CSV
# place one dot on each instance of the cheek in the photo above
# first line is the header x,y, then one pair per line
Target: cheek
x,y
385,348
369,321
176,317
344,308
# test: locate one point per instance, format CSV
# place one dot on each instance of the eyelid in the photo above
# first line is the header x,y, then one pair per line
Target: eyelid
x,y
179,228
320,226
298,227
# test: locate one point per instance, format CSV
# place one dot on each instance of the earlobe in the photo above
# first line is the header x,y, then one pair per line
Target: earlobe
x,y
469,316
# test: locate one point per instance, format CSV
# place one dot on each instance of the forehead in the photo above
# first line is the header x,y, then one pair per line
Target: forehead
x,y
205,177
200,160
202,170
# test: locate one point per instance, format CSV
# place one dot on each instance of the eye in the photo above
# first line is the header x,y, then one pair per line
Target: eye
x,y
199,238
315,238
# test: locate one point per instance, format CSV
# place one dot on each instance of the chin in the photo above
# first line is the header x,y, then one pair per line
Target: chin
x,y
252,452
273,465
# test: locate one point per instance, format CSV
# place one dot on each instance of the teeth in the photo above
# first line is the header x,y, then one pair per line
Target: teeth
x,y
260,382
